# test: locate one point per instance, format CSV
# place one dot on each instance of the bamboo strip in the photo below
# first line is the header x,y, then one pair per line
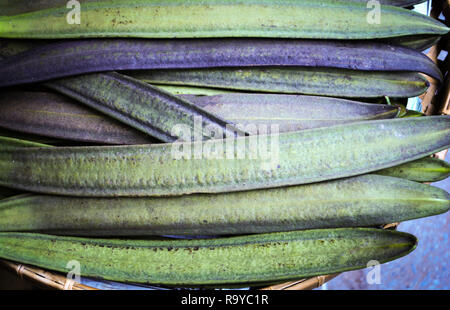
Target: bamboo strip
x,y
44,278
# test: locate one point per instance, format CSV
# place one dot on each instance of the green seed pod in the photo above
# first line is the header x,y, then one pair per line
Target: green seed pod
x,y
223,261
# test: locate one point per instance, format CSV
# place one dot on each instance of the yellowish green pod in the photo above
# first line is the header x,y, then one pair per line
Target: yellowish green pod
x,y
221,261
225,165
220,18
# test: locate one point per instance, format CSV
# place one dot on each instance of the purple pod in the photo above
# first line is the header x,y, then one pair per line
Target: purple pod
x,y
67,58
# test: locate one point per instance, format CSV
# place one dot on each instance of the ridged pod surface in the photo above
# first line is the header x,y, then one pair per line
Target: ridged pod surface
x,y
233,164
221,18
221,261
55,60
146,108
293,80
361,201
426,169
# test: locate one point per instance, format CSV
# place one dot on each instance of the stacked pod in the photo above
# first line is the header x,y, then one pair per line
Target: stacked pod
x,y
281,139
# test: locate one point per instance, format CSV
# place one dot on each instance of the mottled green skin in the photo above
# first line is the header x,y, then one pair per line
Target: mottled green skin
x,y
427,169
220,18
142,106
13,7
294,80
367,200
242,259
293,158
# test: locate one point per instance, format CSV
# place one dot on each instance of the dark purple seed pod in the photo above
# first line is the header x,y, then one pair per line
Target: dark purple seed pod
x,y
67,58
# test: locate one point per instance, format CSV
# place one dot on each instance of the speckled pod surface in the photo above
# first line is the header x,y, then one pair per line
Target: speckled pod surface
x,y
219,18
54,60
233,164
221,261
361,201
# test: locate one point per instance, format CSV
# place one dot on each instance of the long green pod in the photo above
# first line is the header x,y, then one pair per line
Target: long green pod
x,y
222,261
367,200
13,7
426,169
54,60
233,164
53,115
294,80
220,18
8,142
142,106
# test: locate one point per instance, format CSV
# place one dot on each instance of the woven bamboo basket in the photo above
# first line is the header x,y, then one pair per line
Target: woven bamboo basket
x,y
435,101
